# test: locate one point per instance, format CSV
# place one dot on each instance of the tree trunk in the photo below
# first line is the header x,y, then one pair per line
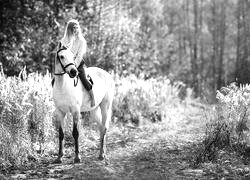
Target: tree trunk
x,y
222,30
194,59
214,45
201,43
237,64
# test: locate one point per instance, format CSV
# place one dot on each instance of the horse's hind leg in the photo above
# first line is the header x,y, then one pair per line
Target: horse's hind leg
x,y
103,131
75,133
60,126
106,117
97,116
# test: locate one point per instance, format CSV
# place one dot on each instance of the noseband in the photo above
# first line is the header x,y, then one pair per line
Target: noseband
x,y
58,58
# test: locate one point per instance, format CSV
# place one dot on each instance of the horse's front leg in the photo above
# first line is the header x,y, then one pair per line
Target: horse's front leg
x,y
60,126
75,133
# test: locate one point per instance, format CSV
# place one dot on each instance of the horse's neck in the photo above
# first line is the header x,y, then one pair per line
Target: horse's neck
x,y
65,82
58,68
60,80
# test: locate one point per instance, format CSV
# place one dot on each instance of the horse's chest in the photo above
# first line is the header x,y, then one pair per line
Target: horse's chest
x,y
67,98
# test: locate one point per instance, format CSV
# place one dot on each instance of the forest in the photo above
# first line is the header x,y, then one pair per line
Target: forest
x,y
201,43
181,70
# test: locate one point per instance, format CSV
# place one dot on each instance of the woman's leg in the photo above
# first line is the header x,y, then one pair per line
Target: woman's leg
x,y
86,83
53,81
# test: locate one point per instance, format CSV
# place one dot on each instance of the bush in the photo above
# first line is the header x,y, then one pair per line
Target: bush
x,y
227,128
25,117
138,100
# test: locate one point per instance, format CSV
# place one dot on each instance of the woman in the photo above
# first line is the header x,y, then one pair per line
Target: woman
x,y
74,40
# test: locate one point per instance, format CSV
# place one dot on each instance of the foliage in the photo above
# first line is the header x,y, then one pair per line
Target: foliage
x,y
25,113
138,100
228,126
118,49
25,38
133,37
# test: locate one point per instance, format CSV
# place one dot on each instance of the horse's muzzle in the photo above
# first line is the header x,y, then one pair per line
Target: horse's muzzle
x,y
72,73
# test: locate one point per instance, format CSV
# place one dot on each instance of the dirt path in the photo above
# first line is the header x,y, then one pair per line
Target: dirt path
x,y
153,157
154,151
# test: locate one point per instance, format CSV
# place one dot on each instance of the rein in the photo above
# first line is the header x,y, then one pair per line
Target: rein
x,y
64,67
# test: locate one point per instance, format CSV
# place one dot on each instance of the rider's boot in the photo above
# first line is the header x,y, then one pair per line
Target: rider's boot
x,y
92,97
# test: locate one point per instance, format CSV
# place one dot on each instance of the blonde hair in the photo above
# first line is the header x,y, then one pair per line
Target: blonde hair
x,y
70,29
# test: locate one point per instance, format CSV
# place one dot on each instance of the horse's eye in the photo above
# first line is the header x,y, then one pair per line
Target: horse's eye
x,y
61,57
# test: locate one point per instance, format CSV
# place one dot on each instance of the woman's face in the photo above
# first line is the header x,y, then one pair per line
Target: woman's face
x,y
76,30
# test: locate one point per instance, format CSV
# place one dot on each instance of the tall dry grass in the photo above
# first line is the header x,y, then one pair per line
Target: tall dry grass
x,y
228,124
139,101
25,117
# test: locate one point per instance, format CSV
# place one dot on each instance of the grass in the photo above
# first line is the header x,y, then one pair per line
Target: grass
x,y
25,117
227,128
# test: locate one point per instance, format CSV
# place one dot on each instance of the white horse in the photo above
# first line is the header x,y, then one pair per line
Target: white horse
x,y
70,96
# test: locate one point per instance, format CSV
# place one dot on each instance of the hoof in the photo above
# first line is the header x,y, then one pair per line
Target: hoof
x,y
57,161
77,160
107,162
101,157
104,159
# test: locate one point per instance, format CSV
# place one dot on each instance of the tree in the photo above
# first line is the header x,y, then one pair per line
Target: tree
x,y
243,42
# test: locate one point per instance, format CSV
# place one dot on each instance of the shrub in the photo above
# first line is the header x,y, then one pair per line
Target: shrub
x,y
25,112
138,100
227,127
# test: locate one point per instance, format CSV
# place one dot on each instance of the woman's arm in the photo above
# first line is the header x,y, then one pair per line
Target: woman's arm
x,y
80,52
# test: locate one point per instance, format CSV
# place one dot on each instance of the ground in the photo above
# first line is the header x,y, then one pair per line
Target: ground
x,y
162,150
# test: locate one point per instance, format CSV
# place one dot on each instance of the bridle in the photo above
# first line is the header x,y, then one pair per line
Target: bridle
x,y
58,58
64,67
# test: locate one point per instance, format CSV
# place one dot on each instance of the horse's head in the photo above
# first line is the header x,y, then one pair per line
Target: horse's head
x,y
65,59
